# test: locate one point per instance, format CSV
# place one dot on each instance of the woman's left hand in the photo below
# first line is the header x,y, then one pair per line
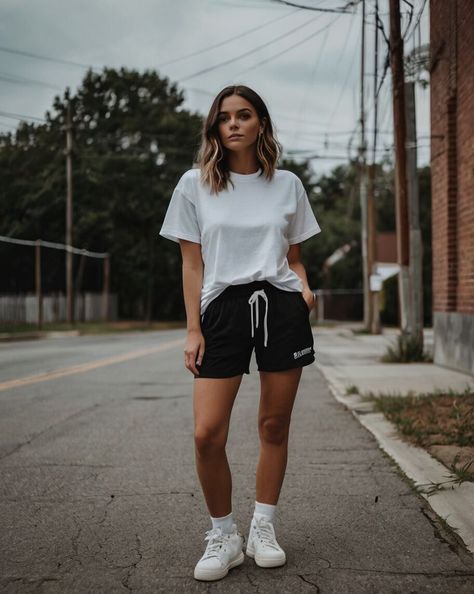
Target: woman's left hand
x,y
309,297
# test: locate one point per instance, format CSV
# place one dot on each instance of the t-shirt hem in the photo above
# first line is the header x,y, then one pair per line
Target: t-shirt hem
x,y
304,235
176,235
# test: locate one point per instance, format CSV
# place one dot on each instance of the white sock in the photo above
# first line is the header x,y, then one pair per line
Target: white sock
x,y
225,523
264,509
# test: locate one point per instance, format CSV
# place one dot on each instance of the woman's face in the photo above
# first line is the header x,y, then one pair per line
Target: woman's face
x,y
237,116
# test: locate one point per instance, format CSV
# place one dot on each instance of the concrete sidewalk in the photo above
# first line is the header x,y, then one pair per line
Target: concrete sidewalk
x,y
348,359
99,491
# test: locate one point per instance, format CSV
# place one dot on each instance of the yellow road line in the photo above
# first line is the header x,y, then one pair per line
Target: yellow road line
x,y
49,375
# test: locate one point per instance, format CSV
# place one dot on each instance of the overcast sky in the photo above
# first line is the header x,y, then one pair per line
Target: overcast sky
x,y
304,64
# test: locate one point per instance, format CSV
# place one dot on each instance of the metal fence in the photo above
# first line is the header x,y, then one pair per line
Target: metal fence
x,y
339,304
88,307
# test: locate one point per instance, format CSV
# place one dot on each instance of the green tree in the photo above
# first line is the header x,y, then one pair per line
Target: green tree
x,y
131,144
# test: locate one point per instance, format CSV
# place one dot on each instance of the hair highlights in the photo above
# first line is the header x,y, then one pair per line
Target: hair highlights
x,y
212,155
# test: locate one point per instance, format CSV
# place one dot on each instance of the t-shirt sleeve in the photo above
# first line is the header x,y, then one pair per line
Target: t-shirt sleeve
x,y
303,223
180,220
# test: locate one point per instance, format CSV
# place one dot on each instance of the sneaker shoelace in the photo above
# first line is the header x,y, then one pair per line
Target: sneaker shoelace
x,y
265,533
216,539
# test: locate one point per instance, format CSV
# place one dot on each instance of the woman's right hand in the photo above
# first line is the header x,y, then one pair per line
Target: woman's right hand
x,y
194,350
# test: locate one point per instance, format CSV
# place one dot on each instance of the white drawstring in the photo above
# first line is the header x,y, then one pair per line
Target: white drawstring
x,y
254,299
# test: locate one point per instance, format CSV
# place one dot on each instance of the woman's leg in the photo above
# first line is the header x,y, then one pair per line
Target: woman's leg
x,y
277,396
213,399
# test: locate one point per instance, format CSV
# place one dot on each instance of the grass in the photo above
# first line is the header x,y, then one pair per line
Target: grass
x,y
92,327
408,349
439,418
352,389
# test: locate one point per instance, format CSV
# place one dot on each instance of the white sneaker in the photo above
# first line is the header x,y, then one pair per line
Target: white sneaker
x,y
262,544
223,552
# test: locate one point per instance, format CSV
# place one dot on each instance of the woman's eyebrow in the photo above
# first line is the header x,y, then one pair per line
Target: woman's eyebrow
x,y
243,109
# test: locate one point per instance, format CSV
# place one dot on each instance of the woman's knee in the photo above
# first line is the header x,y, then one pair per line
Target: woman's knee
x,y
209,440
273,430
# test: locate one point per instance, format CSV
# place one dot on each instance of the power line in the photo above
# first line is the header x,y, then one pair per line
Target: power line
x,y
303,105
343,88
228,40
17,116
410,17
10,50
417,22
304,40
340,9
251,51
27,81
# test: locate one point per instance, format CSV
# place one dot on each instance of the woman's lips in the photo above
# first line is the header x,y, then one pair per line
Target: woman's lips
x,y
235,137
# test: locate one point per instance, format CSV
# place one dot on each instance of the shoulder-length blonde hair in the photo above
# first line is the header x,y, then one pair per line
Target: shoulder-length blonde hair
x,y
212,155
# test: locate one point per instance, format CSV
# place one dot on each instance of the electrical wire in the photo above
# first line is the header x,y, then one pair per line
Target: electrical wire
x,y
17,116
304,40
251,51
27,81
42,57
340,9
417,22
309,86
343,88
228,40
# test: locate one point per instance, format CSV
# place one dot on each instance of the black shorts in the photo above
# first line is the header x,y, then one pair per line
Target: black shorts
x,y
255,315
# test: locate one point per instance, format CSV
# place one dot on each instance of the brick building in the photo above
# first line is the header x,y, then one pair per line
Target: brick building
x,y
452,177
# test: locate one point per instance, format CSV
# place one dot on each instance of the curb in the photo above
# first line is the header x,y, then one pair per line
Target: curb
x,y
454,505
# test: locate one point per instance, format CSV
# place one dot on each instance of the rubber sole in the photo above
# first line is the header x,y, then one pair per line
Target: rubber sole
x,y
249,551
209,575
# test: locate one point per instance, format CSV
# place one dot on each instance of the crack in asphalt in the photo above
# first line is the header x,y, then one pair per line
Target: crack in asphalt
x,y
111,499
133,566
301,576
46,429
255,586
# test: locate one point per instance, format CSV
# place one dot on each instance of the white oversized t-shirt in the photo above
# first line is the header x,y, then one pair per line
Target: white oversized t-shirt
x,y
244,232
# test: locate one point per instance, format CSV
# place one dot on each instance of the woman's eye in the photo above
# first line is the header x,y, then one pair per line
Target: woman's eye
x,y
244,115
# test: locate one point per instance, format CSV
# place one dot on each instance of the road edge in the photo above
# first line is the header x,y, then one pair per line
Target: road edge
x,y
454,506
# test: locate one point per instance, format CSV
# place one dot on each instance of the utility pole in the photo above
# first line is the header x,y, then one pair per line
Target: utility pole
x,y
39,292
69,255
416,244
401,198
106,290
363,178
374,311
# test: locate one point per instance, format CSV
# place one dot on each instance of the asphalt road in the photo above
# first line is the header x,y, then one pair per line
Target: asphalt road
x,y
99,493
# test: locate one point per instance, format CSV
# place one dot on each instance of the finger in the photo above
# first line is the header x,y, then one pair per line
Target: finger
x,y
200,354
186,361
189,362
192,364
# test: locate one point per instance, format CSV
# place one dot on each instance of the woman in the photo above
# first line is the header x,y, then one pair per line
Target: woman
x,y
239,222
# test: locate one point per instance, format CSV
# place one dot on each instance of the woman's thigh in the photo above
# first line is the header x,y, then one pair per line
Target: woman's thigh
x,y
213,399
277,395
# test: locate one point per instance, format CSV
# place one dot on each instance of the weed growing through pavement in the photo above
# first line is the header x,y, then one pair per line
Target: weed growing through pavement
x,y
408,349
352,389
441,418
461,475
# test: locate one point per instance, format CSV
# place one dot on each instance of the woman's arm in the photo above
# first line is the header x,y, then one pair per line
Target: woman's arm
x,y
294,262
192,271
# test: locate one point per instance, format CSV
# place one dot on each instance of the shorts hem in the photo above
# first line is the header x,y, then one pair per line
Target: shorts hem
x,y
297,364
217,376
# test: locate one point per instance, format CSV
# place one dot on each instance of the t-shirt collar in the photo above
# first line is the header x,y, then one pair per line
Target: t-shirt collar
x,y
245,176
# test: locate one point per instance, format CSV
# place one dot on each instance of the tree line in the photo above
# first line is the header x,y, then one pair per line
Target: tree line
x,y
132,140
